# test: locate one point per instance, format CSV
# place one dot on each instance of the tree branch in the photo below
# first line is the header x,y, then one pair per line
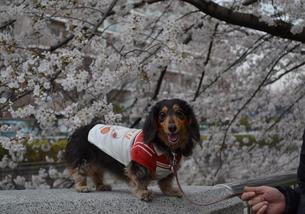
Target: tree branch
x,y
150,55
284,73
107,13
248,101
8,23
197,93
92,34
61,43
249,2
158,86
279,28
285,112
256,45
154,96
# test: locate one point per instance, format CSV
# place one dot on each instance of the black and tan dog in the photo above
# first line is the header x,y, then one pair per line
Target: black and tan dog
x,y
139,156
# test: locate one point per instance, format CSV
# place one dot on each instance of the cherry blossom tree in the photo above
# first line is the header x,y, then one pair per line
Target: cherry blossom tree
x,y
238,63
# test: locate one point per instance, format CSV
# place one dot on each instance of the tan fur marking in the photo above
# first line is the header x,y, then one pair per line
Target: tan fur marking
x,y
176,107
164,109
79,180
97,175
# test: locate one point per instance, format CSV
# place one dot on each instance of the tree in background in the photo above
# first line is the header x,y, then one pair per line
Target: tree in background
x,y
239,64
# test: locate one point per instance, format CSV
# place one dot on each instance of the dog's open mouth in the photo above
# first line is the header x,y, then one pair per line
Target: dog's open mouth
x,y
172,138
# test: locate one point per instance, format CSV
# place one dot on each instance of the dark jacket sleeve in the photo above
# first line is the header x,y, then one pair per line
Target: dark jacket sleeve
x,y
292,198
301,169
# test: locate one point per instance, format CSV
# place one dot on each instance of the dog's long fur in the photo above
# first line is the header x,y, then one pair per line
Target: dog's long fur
x,y
165,118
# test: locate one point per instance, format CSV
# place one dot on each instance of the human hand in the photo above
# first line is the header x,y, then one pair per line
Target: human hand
x,y
264,200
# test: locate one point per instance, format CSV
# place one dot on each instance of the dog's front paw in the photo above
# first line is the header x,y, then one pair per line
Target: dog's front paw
x,y
104,187
144,195
82,189
173,193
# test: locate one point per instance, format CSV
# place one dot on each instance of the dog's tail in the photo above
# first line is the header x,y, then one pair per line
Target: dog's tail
x,y
78,150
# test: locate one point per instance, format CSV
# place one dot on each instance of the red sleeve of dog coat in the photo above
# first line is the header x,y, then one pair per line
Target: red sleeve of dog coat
x,y
144,155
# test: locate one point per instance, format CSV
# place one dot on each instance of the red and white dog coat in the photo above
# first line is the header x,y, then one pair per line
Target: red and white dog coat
x,y
125,144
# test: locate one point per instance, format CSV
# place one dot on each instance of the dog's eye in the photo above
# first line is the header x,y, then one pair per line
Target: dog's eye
x,y
180,114
162,116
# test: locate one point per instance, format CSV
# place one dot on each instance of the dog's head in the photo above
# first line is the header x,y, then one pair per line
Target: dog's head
x,y
173,123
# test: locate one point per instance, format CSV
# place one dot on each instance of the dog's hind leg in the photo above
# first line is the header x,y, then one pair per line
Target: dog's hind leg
x,y
97,175
80,180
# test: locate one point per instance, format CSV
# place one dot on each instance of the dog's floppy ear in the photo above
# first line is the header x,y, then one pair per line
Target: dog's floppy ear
x,y
150,125
193,129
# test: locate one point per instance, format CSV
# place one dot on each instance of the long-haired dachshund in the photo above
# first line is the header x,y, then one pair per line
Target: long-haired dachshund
x,y
134,154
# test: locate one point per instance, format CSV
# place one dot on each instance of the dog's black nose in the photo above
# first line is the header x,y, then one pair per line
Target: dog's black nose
x,y
172,127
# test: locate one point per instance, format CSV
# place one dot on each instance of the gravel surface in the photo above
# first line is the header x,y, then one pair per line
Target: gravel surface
x,y
119,200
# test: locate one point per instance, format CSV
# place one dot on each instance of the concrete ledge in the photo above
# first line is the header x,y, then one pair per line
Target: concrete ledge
x,y
119,200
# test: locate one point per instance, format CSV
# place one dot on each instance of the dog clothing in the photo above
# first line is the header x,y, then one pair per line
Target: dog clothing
x,y
125,145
